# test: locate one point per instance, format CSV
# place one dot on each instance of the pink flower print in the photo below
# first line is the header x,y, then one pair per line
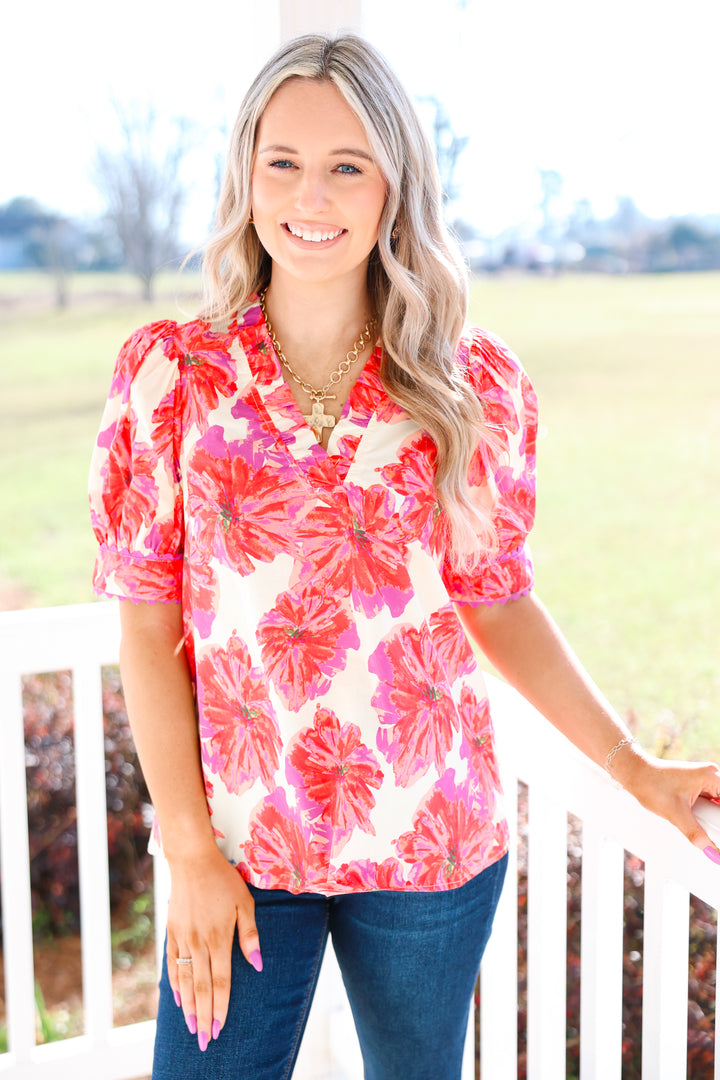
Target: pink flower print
x,y
239,734
356,548
304,642
452,836
516,510
478,745
239,513
414,701
334,774
281,851
206,369
413,475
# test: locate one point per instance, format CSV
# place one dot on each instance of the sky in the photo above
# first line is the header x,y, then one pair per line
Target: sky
x,y
620,97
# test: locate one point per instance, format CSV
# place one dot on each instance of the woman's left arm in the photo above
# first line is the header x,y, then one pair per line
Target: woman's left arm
x,y
525,645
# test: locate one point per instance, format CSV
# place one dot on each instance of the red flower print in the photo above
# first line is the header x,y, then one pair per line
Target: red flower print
x,y
453,836
414,476
451,643
281,851
133,354
259,351
130,493
369,398
163,424
490,352
516,510
304,642
239,734
238,513
147,578
206,369
203,592
478,745
334,774
414,702
356,548
281,401
364,875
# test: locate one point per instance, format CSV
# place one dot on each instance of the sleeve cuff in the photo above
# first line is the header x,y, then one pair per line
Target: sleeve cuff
x,y
138,576
507,578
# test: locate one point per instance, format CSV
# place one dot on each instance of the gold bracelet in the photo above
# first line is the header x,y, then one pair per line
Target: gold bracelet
x,y
618,746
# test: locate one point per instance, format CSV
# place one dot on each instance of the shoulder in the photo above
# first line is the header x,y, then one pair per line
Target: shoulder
x,y
498,378
486,359
154,352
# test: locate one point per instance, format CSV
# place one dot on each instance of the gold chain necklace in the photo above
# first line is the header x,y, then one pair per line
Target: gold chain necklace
x,y
318,418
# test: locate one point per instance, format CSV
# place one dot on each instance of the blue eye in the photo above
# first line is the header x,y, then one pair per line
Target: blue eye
x,y
282,163
348,170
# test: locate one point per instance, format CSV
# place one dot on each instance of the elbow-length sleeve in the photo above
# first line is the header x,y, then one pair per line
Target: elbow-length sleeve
x,y
135,493
508,468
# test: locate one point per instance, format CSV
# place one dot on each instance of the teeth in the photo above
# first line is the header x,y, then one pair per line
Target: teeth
x,y
315,236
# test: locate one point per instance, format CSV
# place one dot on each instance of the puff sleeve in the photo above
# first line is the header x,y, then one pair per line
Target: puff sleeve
x,y
510,409
135,493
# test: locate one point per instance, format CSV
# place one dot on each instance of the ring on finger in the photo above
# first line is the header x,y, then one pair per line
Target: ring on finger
x,y
183,959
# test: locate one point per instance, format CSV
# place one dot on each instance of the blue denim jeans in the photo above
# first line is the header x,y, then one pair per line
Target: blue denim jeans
x,y
409,962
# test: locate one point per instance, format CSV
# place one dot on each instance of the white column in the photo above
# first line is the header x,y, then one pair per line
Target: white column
x,y
319,16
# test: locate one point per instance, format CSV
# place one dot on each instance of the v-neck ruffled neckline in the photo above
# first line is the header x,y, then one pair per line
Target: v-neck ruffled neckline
x,y
276,399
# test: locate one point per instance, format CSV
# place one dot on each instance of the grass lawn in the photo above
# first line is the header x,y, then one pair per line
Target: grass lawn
x,y
626,548
629,383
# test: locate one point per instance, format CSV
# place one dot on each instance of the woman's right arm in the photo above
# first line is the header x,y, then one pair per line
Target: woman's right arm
x,y
208,897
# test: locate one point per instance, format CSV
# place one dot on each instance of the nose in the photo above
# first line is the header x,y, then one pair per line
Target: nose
x,y
312,193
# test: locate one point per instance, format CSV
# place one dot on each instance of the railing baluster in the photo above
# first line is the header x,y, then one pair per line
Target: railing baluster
x,y
92,850
499,971
665,976
15,855
601,955
547,937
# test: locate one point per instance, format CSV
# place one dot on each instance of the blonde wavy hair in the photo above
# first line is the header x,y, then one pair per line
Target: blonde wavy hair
x,y
417,281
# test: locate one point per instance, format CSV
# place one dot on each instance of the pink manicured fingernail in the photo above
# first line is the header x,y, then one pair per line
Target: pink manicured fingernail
x,y
215,1029
191,1022
178,999
203,1041
256,959
712,853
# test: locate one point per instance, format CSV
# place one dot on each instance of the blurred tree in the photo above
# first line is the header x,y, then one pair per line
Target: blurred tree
x,y
448,147
551,182
144,191
43,238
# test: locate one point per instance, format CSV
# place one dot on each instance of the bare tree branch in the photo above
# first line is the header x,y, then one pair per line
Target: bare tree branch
x,y
144,192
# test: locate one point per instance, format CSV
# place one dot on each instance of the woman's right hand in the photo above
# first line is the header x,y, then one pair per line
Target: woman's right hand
x,y
208,900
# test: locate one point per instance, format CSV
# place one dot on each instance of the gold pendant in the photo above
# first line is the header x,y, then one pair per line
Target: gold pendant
x,y
318,419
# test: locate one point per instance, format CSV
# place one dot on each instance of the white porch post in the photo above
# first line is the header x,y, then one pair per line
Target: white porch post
x,y
319,16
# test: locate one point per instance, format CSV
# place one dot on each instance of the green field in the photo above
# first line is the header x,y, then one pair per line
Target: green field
x,y
628,374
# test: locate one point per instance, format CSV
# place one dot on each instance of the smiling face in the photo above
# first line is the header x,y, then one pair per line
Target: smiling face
x,y
317,194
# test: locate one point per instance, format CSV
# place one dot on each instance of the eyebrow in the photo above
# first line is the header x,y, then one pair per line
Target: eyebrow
x,y
349,151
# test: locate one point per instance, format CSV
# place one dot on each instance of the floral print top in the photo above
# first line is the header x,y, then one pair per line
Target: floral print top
x,y
344,726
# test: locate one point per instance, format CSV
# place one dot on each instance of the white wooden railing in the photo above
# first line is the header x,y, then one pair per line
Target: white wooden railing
x,y
85,638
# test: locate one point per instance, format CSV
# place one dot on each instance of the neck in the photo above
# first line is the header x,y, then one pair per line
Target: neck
x,y
317,322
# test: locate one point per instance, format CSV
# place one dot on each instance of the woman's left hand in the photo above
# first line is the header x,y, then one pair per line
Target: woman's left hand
x,y
670,789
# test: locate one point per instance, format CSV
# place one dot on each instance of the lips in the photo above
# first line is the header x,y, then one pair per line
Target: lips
x,y
316,234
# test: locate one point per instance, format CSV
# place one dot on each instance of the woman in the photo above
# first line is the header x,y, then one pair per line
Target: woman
x,y
305,492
